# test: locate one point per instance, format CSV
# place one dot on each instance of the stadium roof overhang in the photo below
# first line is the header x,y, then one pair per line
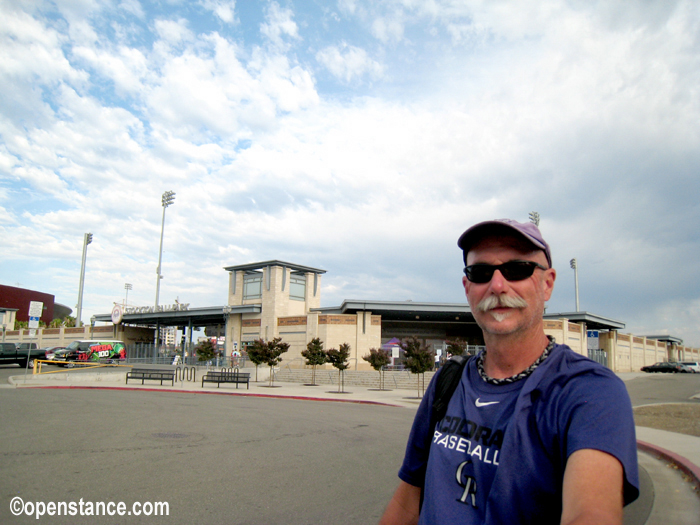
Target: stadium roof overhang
x,y
405,310
667,339
592,321
208,316
260,265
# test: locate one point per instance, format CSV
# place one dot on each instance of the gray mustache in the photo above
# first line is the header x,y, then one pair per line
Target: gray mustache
x,y
494,301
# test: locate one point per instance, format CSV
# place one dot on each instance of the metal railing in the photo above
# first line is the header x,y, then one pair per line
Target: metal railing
x,y
599,356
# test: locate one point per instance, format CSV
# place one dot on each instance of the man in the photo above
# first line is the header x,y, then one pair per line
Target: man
x,y
534,433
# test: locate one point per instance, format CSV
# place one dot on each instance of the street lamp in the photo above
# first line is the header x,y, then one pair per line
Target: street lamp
x,y
127,287
573,264
87,239
534,218
167,199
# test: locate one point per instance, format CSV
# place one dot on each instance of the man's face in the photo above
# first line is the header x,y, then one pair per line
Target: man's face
x,y
516,306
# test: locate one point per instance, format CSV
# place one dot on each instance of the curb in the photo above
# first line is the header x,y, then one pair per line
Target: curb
x,y
686,466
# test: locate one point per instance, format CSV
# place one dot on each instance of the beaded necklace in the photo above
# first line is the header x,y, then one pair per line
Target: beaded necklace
x,y
516,377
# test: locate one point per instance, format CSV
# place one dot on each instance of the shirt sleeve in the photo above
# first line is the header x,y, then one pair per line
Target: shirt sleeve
x,y
596,413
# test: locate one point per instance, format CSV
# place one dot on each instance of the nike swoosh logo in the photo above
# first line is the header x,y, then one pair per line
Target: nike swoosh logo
x,y
480,403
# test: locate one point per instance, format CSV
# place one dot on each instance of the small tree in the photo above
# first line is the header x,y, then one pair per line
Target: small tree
x,y
315,355
419,359
378,359
456,346
273,354
205,350
338,358
256,353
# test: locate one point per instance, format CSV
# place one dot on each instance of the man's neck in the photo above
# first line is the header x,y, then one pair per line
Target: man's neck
x,y
508,355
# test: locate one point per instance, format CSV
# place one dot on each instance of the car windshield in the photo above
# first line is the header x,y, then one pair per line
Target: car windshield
x,y
73,346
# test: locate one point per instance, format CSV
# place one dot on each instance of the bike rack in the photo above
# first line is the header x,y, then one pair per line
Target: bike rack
x,y
188,373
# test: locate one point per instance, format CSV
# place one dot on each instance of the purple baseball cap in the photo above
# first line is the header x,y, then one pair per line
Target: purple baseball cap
x,y
526,229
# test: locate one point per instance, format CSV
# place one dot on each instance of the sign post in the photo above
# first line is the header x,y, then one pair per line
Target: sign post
x,y
593,338
36,308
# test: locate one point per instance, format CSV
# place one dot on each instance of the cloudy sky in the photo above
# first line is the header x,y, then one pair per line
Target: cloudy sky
x,y
360,137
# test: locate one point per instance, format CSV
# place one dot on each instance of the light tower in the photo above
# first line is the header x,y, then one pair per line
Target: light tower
x,y
534,218
87,239
574,265
127,287
167,199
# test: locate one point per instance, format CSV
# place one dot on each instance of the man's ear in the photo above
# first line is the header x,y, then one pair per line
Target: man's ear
x,y
466,283
550,276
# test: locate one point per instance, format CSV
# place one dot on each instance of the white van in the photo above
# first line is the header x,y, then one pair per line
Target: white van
x,y
91,350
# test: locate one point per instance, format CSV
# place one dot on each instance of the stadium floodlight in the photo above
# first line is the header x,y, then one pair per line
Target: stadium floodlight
x,y
167,199
127,287
87,239
574,266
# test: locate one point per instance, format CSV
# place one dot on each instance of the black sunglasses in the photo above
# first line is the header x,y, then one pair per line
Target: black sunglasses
x,y
511,271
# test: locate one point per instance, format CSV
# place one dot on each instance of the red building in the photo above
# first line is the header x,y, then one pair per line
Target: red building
x,y
19,298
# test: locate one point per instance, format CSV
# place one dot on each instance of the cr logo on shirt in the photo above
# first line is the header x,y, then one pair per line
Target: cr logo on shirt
x,y
469,485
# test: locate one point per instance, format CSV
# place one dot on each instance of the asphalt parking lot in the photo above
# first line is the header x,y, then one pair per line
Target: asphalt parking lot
x,y
214,459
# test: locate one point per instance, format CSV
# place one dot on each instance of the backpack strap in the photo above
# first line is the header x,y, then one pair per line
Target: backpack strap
x,y
447,380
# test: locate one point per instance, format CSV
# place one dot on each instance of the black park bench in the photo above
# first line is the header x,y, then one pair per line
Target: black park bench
x,y
151,374
227,377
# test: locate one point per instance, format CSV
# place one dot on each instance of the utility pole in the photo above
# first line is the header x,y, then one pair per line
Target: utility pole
x,y
87,239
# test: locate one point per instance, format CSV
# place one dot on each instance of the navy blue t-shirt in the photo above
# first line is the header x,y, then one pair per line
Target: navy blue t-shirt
x,y
499,454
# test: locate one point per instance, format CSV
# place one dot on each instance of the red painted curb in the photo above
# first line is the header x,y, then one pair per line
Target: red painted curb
x,y
684,465
302,398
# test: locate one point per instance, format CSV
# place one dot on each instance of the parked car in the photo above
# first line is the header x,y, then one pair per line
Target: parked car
x,y
693,365
666,367
50,352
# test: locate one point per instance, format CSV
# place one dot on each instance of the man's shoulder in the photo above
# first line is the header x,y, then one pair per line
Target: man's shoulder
x,y
565,364
566,355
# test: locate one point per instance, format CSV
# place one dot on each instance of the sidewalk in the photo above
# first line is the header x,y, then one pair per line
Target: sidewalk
x,y
108,378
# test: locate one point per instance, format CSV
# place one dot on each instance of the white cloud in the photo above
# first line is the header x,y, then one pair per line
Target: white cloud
x,y
125,66
172,32
132,7
208,88
388,29
279,23
224,9
348,62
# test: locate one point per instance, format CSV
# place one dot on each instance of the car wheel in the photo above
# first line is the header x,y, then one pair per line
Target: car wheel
x,y
31,363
